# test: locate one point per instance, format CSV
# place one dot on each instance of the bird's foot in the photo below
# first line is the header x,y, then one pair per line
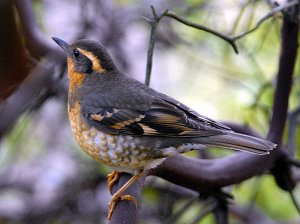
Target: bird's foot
x,y
112,178
118,195
115,199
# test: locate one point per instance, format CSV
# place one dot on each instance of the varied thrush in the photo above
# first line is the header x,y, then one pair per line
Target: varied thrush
x,y
130,126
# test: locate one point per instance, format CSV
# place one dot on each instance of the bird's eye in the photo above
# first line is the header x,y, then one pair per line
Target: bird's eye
x,y
76,53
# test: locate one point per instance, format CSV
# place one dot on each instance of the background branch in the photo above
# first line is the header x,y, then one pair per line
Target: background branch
x,y
230,40
154,22
203,175
286,5
34,88
40,80
37,44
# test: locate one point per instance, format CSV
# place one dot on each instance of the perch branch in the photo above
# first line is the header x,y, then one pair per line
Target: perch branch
x,y
126,211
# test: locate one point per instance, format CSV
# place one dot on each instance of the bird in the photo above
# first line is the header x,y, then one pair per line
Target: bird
x,y
131,127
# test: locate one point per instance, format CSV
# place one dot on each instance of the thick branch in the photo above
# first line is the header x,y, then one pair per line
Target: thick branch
x,y
36,42
41,78
288,55
208,175
292,130
125,211
11,51
289,46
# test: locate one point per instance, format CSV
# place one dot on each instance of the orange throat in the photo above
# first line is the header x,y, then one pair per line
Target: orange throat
x,y
76,79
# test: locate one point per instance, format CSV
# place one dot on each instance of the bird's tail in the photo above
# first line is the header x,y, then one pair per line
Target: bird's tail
x,y
241,142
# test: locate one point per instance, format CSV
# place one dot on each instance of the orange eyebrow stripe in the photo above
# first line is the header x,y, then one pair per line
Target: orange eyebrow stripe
x,y
96,61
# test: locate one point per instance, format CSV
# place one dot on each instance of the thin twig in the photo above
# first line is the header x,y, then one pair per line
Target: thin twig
x,y
294,162
221,213
266,17
207,208
154,22
182,210
239,16
295,201
230,40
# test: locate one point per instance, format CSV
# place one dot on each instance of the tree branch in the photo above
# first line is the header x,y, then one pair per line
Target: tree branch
x,y
41,77
154,22
209,175
292,129
221,213
269,15
12,74
206,208
230,40
36,42
125,211
288,55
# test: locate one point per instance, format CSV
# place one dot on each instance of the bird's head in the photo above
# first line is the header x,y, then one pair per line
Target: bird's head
x,y
85,57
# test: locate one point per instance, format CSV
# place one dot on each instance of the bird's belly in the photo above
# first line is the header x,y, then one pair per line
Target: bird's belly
x,y
119,151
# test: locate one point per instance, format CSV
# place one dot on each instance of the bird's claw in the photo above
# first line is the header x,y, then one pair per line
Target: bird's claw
x,y
114,200
112,179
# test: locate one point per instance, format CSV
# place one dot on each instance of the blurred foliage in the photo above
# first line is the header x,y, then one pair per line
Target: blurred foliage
x,y
199,70
263,192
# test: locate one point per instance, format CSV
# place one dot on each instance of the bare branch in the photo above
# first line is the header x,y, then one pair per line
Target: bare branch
x,y
294,162
269,15
205,209
230,40
295,201
181,211
221,213
154,22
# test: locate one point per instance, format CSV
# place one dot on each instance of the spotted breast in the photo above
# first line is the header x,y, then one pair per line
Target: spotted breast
x,y
122,152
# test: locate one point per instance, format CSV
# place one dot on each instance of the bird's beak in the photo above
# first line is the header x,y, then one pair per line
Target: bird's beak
x,y
64,45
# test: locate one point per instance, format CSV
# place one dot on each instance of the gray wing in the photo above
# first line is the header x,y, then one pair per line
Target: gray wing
x,y
126,106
